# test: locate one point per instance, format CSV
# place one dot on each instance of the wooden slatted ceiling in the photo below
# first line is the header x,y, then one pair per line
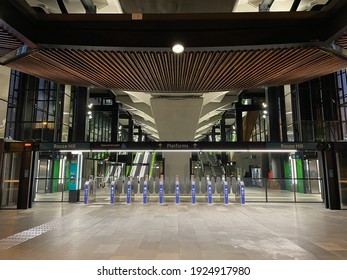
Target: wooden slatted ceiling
x,y
342,42
192,71
8,42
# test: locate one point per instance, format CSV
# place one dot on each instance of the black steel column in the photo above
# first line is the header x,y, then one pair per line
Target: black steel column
x,y
59,114
223,134
276,120
213,134
239,124
283,118
272,94
139,134
115,122
22,104
331,178
130,129
2,153
24,188
330,98
304,111
80,113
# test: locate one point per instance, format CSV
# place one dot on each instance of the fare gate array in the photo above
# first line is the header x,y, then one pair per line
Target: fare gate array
x,y
227,186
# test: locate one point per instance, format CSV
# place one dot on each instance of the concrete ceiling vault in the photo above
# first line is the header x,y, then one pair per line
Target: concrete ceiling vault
x,y
125,46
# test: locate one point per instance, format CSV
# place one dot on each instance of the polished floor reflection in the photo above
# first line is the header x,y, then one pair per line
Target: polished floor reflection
x,y
136,231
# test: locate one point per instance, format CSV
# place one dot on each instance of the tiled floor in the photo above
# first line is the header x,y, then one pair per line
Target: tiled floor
x,y
252,231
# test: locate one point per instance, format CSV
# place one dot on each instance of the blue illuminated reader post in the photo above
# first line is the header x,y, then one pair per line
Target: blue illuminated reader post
x,y
145,187
86,193
177,190
161,190
242,192
112,192
226,192
129,191
193,191
209,192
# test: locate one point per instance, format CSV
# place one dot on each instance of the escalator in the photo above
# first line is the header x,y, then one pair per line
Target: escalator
x,y
212,166
141,165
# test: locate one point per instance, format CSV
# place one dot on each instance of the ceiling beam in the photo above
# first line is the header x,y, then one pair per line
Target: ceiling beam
x,y
161,30
194,30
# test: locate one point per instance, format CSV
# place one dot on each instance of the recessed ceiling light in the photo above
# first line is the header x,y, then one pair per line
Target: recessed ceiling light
x,y
178,48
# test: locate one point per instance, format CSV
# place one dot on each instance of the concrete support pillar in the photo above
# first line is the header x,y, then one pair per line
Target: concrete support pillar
x,y
177,120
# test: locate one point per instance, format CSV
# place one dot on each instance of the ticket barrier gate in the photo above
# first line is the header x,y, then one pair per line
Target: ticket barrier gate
x,y
114,194
239,190
128,200
193,192
161,190
145,188
209,192
226,193
89,188
177,190
242,192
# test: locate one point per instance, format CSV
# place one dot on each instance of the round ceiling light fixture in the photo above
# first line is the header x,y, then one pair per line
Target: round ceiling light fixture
x,y
178,48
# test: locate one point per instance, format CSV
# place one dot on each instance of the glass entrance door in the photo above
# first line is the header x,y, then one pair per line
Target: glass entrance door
x,y
10,181
51,177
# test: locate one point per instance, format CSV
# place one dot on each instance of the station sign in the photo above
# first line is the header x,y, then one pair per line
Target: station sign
x,y
292,146
64,146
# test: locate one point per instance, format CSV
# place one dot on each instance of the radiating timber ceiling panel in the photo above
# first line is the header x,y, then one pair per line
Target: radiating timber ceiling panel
x,y
192,71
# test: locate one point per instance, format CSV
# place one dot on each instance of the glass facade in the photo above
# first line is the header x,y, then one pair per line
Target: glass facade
x,y
34,109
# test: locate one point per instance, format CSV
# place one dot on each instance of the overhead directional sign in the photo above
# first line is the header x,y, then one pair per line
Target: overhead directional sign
x,y
181,146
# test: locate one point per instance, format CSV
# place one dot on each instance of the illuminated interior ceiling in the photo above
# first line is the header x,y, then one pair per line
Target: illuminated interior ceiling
x,y
125,46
